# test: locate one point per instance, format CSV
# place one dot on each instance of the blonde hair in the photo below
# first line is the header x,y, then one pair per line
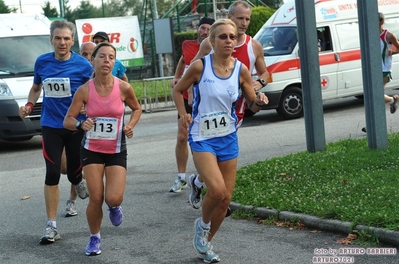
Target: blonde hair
x,y
219,22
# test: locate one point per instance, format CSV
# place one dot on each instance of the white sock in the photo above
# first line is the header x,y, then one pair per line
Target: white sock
x,y
182,176
197,182
205,226
392,100
96,235
52,223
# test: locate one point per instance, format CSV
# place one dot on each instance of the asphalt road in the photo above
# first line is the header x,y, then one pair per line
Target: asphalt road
x,y
158,225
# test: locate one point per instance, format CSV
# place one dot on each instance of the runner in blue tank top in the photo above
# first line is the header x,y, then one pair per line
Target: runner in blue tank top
x,y
212,127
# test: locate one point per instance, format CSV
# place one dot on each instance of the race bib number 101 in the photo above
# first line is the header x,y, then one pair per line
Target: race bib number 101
x,y
57,87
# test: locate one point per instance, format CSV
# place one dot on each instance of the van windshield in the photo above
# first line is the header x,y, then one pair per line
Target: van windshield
x,y
277,40
18,54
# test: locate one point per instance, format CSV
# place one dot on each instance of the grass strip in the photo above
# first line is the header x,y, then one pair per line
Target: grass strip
x,y
348,181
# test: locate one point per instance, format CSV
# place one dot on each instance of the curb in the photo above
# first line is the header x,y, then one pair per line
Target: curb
x,y
384,235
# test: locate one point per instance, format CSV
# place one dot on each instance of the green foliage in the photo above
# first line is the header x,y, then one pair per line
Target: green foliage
x,y
48,11
273,3
4,9
86,10
259,16
348,181
243,214
153,89
366,238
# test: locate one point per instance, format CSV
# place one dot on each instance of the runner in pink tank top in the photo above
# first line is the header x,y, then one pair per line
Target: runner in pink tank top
x,y
106,136
103,149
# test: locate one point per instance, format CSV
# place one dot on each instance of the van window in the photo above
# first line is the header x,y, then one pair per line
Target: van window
x,y
277,40
392,24
348,36
324,38
18,54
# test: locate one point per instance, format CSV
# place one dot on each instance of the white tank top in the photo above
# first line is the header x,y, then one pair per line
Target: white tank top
x,y
214,103
386,60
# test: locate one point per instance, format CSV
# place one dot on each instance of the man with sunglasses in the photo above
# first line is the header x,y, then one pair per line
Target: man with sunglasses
x,y
189,50
250,52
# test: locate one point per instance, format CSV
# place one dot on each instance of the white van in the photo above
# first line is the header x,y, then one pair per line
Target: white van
x,y
340,65
23,38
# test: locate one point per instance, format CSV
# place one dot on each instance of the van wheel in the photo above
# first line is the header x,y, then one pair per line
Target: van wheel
x,y
291,103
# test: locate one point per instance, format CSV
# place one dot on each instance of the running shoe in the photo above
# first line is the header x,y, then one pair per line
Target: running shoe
x,y
115,215
200,241
195,193
70,209
177,185
210,256
50,235
93,247
393,106
81,189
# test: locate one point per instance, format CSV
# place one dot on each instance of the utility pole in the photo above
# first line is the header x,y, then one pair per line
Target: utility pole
x,y
160,63
62,11
20,6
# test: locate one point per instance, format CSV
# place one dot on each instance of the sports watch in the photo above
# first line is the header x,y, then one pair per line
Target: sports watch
x,y
79,124
262,82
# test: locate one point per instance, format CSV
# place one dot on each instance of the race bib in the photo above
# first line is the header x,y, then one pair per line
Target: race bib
x,y
105,128
57,87
214,124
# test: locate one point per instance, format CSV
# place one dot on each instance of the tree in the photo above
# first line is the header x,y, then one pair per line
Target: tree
x,y
86,10
4,9
116,8
68,13
49,11
275,4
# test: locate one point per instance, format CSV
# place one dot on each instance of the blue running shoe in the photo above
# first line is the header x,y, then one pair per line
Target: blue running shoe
x,y
93,247
210,256
200,241
115,215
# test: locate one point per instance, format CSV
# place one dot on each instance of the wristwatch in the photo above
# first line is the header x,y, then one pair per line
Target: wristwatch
x,y
79,124
262,82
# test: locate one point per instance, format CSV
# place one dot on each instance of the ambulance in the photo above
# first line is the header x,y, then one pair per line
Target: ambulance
x,y
339,53
23,37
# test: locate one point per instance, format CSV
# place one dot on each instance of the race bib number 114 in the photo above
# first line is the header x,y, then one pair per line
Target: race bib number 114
x,y
214,124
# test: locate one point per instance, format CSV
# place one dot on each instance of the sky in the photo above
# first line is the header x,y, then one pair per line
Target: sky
x,y
35,6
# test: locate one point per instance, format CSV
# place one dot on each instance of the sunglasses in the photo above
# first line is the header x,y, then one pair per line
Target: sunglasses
x,y
225,36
